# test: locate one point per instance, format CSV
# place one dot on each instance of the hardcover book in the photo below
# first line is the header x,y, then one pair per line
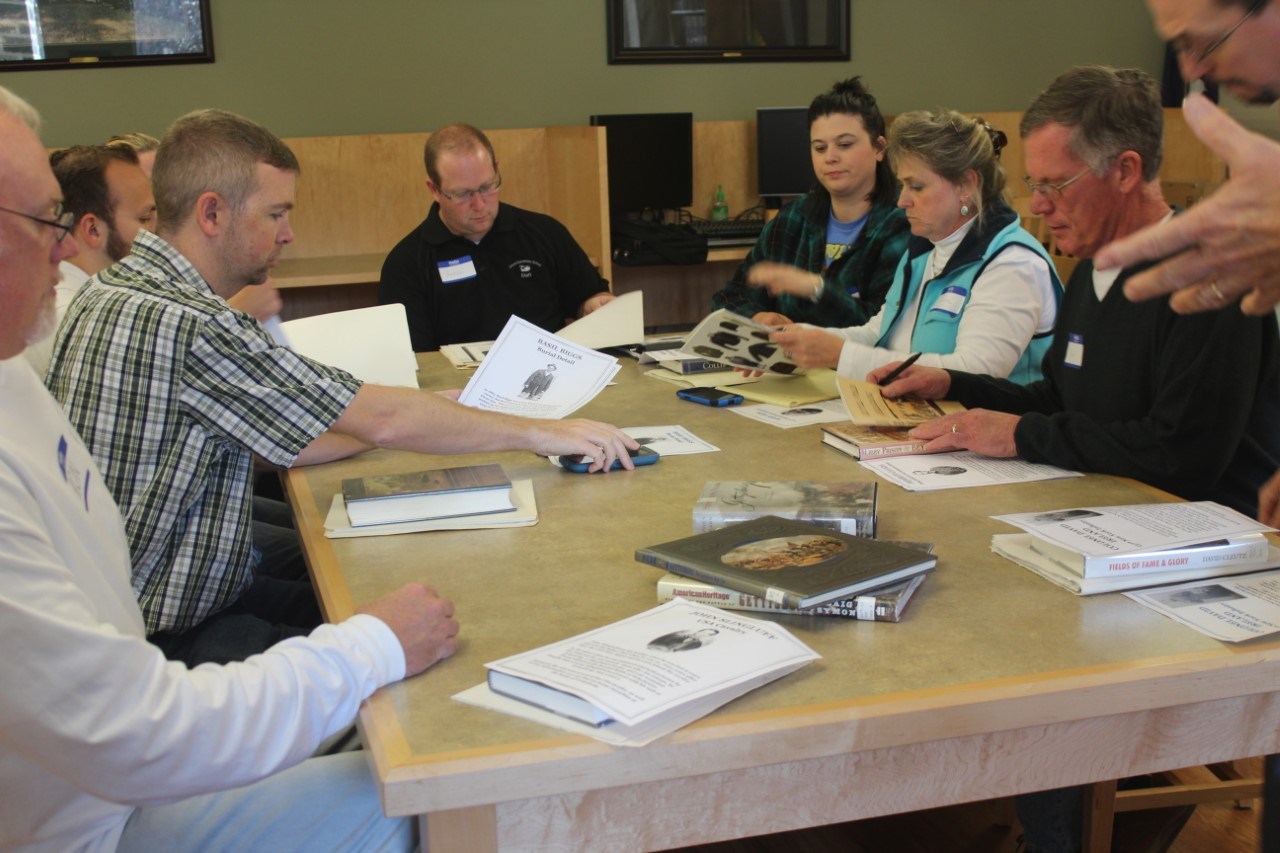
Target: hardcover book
x,y
849,507
1248,551
420,495
788,562
869,442
885,604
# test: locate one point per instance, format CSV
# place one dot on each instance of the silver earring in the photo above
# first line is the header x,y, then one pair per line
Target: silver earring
x,y
964,210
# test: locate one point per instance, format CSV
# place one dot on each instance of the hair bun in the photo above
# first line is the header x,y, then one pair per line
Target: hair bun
x,y
998,137
853,86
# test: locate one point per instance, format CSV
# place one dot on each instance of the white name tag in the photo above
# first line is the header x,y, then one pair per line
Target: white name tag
x,y
951,302
459,269
1075,351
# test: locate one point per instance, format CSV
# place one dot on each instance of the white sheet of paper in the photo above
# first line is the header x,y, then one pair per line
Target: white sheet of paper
x,y
1232,609
807,414
669,440
618,322
1103,531
662,660
369,343
535,374
960,470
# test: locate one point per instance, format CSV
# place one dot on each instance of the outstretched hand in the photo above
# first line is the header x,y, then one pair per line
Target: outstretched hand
x,y
1225,247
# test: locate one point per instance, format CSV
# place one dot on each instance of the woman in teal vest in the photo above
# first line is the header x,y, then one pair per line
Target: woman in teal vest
x,y
974,291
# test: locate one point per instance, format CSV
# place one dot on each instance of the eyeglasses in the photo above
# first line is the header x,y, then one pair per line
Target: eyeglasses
x,y
63,220
1053,192
1181,47
464,196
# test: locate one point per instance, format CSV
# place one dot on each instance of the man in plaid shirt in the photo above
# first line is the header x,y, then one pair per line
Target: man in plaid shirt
x,y
174,393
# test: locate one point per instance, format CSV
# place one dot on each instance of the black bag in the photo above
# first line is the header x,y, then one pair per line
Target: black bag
x,y
637,243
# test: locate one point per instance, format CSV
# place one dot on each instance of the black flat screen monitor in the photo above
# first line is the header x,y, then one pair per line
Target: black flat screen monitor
x,y
650,160
783,163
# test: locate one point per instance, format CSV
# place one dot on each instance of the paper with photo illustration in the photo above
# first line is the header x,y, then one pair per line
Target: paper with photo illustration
x,y
1103,531
669,440
660,660
739,342
535,374
960,470
1233,609
788,417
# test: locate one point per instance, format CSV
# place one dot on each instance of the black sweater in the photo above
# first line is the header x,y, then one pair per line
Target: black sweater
x,y
1188,403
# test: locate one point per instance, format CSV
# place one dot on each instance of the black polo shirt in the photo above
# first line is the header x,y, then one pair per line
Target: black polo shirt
x,y
456,291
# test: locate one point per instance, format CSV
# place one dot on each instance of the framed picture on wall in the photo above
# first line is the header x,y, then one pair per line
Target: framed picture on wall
x,y
91,33
728,31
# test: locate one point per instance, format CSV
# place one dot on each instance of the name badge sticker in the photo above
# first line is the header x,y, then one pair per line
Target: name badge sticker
x,y
459,269
951,302
1075,350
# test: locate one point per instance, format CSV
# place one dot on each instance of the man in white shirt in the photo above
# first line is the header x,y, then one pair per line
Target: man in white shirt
x,y
111,198
105,745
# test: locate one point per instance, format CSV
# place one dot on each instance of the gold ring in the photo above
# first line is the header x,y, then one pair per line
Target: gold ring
x,y
1213,285
955,428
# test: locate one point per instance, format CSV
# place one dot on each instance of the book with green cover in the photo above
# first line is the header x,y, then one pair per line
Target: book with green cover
x,y
788,562
420,495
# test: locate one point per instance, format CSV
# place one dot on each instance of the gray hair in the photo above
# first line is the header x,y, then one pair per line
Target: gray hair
x,y
1108,110
19,109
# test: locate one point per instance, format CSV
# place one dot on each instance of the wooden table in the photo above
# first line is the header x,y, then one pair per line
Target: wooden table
x,y
996,682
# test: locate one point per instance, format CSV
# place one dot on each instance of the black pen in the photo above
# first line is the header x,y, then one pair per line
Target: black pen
x,y
897,371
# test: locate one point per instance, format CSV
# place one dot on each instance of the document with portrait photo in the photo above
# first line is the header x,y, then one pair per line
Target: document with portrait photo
x,y
532,373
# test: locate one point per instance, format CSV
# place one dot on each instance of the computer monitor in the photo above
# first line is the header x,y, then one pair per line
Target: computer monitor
x,y
783,163
650,160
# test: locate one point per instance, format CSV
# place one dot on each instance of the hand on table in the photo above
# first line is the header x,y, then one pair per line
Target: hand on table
x,y
421,620
980,430
604,443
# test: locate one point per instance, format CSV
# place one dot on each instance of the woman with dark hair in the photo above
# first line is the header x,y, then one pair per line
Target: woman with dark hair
x,y
828,257
974,291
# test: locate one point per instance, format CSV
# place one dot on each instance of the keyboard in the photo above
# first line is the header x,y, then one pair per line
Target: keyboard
x,y
746,230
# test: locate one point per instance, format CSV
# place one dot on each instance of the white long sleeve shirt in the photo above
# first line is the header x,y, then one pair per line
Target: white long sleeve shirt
x,y
93,720
1015,302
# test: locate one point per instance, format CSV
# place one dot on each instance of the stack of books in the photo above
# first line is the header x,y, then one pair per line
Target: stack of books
x,y
789,564
424,495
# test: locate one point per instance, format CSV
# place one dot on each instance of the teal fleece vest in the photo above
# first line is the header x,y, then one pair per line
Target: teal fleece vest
x,y
936,328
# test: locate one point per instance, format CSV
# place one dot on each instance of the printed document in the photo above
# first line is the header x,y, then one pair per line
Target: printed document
x,y
960,470
535,374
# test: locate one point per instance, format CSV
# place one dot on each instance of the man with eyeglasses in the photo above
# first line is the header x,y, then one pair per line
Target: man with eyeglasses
x,y
105,745
474,261
110,197
176,394
1187,403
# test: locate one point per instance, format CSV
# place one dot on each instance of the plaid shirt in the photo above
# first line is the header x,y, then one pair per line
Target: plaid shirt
x,y
174,392
856,283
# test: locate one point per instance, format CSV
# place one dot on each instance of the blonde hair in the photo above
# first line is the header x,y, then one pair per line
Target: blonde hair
x,y
952,145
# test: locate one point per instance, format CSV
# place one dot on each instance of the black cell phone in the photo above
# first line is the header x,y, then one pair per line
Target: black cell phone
x,y
579,464
709,396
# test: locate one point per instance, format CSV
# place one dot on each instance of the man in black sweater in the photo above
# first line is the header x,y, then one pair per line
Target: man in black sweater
x,y
1187,403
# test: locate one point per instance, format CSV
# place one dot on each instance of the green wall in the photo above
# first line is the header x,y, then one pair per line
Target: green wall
x,y
319,67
